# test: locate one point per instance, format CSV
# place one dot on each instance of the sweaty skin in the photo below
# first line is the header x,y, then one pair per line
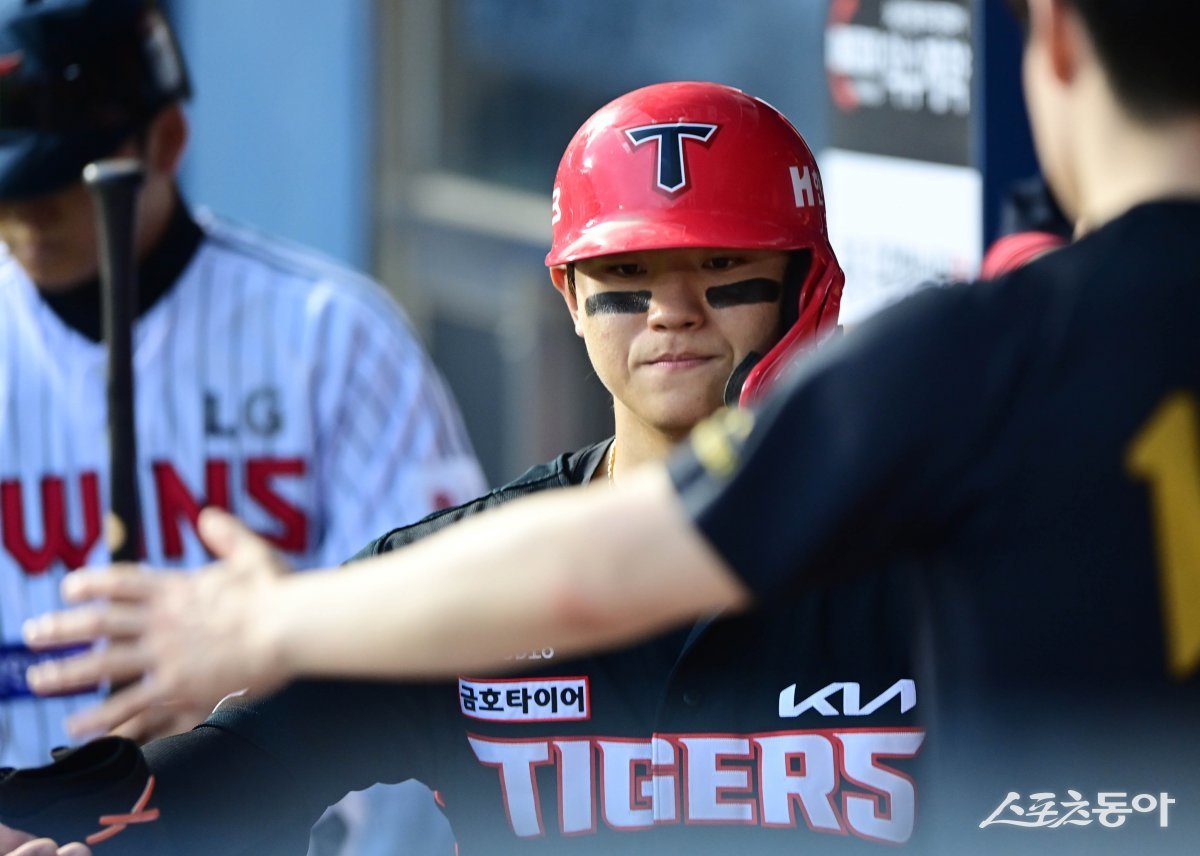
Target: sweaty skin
x,y
758,290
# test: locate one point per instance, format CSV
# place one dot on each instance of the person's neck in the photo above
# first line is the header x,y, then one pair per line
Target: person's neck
x,y
1123,164
79,306
636,443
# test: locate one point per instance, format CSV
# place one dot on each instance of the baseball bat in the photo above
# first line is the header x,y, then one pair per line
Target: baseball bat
x,y
114,185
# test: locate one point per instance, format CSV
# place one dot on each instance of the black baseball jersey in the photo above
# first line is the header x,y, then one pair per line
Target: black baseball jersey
x,y
1026,454
764,734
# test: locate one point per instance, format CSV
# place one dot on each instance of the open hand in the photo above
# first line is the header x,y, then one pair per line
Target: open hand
x,y
173,639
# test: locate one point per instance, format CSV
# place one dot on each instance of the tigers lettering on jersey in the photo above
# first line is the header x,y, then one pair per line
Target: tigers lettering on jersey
x,y
833,781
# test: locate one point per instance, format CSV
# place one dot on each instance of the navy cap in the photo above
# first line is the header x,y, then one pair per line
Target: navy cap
x,y
77,78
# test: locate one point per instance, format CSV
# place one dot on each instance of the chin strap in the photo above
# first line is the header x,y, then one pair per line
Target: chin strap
x,y
733,386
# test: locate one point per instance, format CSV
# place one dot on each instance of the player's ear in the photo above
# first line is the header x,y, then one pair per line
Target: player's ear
x,y
564,283
1058,29
167,137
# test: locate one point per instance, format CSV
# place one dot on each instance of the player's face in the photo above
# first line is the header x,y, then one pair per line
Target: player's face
x,y
665,329
52,236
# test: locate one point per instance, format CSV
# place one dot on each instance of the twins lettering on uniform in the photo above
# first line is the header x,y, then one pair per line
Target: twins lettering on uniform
x,y
832,781
171,502
836,780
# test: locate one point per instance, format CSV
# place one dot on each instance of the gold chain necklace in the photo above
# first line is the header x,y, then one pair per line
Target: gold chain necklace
x,y
612,460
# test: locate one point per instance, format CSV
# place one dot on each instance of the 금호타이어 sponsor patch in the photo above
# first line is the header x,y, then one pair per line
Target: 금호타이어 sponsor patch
x,y
525,699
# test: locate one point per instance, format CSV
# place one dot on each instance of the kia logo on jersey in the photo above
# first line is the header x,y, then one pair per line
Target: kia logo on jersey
x,y
824,700
672,165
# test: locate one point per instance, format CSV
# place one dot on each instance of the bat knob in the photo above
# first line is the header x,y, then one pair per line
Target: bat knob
x,y
114,171
115,532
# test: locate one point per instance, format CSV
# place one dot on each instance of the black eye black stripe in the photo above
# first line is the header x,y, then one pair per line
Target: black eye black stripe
x,y
759,290
618,302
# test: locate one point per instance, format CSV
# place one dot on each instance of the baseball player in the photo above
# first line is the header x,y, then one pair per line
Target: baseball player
x,y
678,275
266,376
1025,453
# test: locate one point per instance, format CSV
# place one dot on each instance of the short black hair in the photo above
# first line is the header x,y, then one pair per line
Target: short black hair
x,y
1148,48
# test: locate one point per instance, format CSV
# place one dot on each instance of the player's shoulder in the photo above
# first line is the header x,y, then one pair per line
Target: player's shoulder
x,y
973,313
947,314
287,268
566,470
998,330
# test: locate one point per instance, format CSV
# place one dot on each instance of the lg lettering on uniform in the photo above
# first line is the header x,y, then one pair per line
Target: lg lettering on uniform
x,y
258,414
671,173
823,700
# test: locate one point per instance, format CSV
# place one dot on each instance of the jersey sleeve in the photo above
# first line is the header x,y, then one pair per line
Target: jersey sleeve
x,y
258,773
859,456
542,477
392,443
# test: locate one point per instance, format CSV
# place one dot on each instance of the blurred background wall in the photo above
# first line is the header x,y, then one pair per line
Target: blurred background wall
x,y
418,140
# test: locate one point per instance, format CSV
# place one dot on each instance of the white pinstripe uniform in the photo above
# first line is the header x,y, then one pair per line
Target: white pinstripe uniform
x,y
268,380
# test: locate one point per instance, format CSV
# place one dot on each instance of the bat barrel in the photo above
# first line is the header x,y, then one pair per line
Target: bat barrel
x,y
114,185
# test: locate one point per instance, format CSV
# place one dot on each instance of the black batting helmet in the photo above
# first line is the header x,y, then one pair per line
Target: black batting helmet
x,y
77,78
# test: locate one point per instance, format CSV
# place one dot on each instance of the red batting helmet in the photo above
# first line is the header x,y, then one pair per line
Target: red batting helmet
x,y
699,165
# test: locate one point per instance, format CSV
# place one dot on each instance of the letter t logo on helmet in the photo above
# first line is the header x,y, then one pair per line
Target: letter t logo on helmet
x,y
729,171
672,166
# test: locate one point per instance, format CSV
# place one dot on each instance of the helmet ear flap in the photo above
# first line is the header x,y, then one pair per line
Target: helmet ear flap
x,y
737,379
794,276
798,266
819,300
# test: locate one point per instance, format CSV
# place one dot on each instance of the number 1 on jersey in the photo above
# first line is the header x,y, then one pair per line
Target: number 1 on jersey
x,y
1166,453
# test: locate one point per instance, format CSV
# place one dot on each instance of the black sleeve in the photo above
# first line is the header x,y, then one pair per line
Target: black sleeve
x,y
405,535
856,458
542,477
257,774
